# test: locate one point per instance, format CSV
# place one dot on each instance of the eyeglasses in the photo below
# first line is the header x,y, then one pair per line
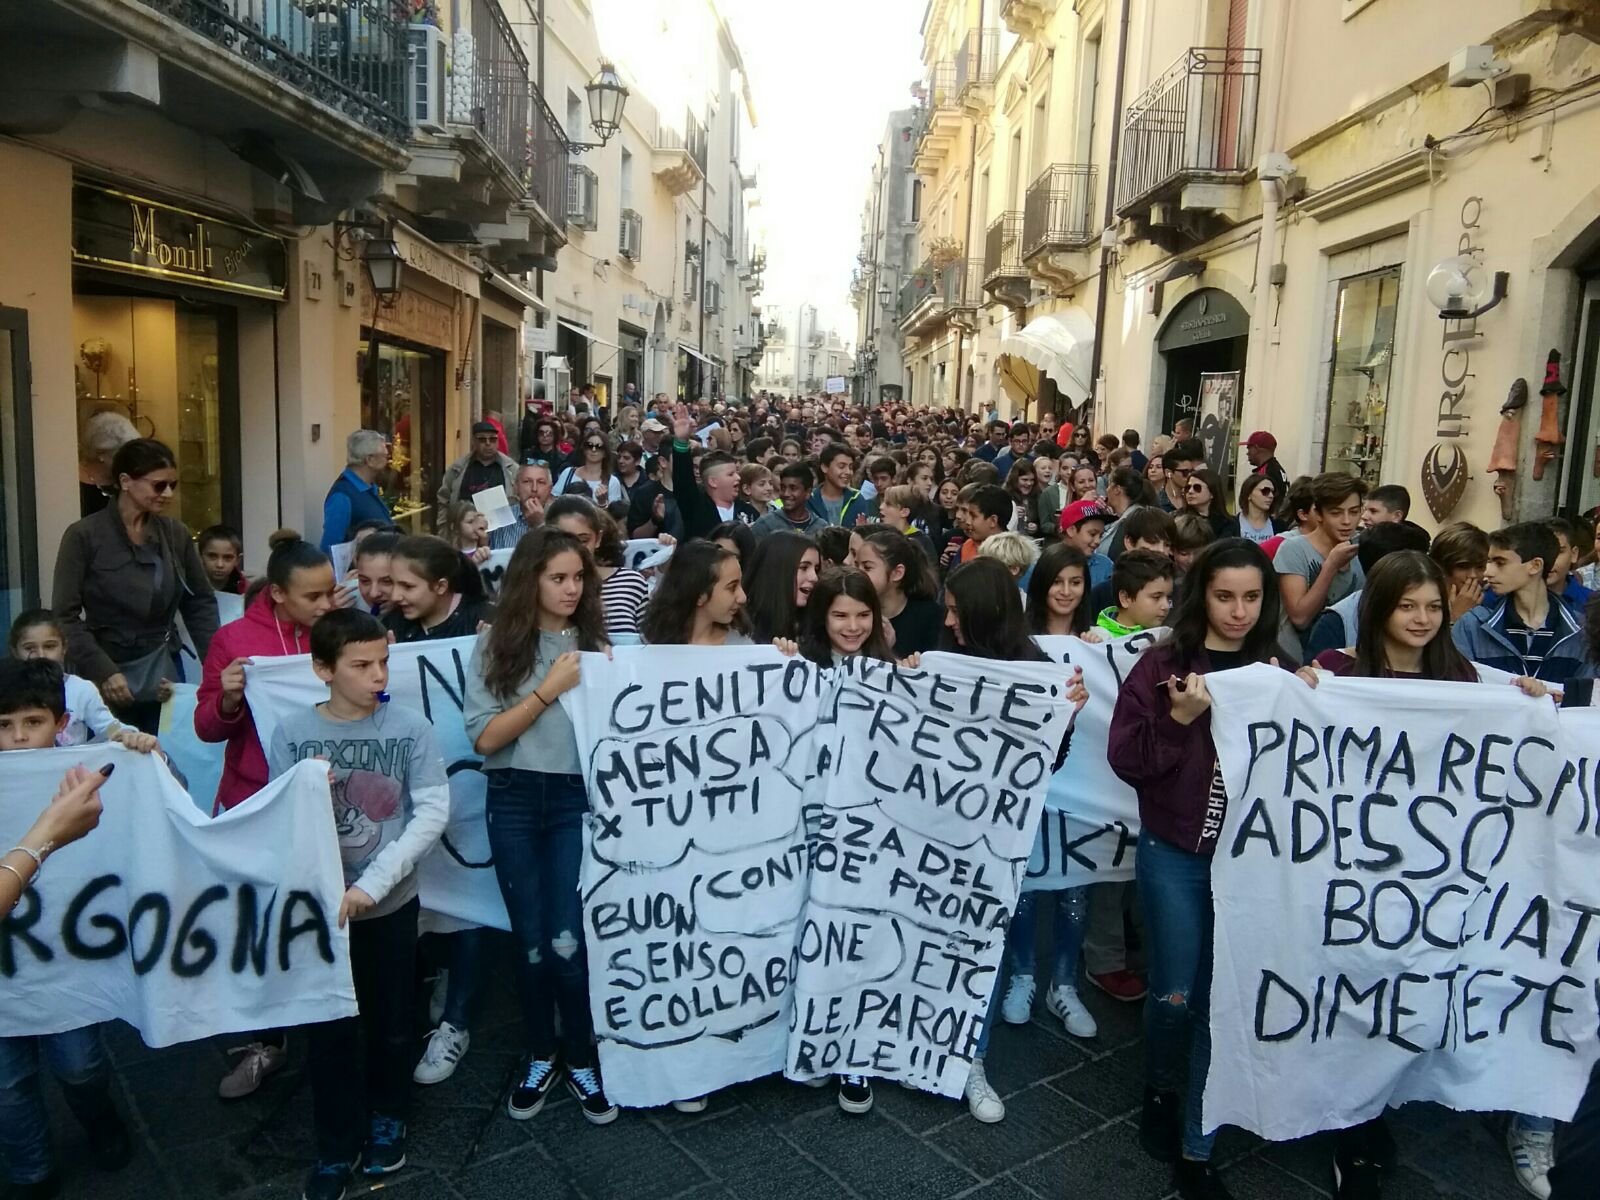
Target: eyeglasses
x,y
161,486
1196,486
1181,472
595,446
1267,492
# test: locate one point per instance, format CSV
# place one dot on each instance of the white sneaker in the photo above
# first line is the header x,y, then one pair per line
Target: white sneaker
x,y
446,1046
1532,1156
983,1102
1017,1007
256,1062
1063,1001
695,1104
437,997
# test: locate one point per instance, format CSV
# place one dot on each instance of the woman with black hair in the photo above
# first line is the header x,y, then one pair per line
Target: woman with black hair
x,y
735,536
623,591
122,576
843,618
1161,746
536,804
436,591
907,586
778,581
1058,594
984,618
699,601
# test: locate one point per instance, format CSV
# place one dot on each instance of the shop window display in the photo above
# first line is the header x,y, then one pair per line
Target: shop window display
x,y
1363,365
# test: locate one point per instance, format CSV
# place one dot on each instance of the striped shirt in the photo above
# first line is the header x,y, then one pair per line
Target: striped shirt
x,y
623,595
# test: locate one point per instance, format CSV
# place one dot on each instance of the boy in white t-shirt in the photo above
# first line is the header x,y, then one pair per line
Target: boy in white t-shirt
x,y
35,634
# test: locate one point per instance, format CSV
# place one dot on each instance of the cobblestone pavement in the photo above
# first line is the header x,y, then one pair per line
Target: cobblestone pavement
x,y
1070,1132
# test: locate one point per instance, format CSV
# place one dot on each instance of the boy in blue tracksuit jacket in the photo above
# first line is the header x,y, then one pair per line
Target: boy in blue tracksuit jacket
x,y
1525,629
847,508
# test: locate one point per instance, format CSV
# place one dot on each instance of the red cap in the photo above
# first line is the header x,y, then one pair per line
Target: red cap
x,y
1261,440
1083,510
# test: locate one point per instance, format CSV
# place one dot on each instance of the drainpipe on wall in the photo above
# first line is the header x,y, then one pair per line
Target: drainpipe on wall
x,y
1108,253
1260,353
972,193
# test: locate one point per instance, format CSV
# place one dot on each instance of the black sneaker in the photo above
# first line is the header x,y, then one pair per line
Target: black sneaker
x,y
109,1141
855,1094
539,1079
1198,1181
584,1084
386,1146
329,1180
1161,1125
1357,1175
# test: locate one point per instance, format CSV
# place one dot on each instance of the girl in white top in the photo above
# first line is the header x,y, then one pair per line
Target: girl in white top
x,y
594,469
35,634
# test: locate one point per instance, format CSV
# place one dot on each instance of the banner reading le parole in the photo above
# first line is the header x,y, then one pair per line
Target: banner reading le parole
x,y
181,925
1091,818
1405,886
456,878
708,906
929,785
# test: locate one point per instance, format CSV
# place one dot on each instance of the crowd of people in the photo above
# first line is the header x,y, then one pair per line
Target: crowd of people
x,y
831,532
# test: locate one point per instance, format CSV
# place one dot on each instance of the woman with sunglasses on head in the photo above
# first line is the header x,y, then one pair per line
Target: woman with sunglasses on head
x,y
1257,496
1161,746
123,575
592,473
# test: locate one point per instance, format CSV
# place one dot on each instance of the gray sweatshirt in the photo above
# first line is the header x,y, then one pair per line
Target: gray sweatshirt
x,y
549,744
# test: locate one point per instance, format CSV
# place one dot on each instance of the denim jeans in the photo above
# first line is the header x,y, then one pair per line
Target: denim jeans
x,y
1175,890
536,835
78,1061
464,953
347,1087
1578,1163
1071,912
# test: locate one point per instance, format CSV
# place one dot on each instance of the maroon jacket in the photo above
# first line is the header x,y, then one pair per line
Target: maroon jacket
x,y
1171,766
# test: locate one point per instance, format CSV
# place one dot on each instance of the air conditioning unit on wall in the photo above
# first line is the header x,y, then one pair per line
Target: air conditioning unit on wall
x,y
713,297
427,76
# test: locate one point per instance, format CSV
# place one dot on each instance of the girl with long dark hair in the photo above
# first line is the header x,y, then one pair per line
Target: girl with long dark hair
x,y
778,580
903,574
1257,496
592,473
536,803
1022,485
623,592
1202,495
984,618
1161,746
843,618
699,601
1058,601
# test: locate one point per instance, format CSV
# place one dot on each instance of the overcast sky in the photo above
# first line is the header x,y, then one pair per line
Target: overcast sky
x,y
824,76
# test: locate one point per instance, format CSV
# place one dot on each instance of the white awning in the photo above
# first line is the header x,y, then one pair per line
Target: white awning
x,y
514,290
588,333
1061,345
693,353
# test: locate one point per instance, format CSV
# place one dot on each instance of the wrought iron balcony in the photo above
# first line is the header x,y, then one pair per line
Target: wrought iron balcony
x,y
1002,249
938,118
1196,122
548,159
496,92
1058,210
679,158
352,57
976,63
919,285
961,284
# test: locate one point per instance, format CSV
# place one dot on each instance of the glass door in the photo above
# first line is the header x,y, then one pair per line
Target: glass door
x,y
402,397
1363,364
19,567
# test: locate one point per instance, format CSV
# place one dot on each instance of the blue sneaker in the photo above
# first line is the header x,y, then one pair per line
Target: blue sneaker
x,y
386,1146
329,1180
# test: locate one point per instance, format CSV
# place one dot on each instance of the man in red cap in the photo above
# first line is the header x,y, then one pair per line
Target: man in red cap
x,y
1260,448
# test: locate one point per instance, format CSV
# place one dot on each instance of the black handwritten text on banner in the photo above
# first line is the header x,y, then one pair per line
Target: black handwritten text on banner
x,y
1405,891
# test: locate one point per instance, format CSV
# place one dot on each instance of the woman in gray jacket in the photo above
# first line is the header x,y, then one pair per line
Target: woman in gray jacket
x,y
122,576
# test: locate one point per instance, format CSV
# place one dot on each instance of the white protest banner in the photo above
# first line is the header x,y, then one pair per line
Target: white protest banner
x,y
695,869
455,878
230,607
1091,818
929,790
835,385
493,570
181,925
342,556
495,506
640,554
1404,888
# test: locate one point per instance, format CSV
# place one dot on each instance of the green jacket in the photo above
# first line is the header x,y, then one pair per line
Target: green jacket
x,y
1108,621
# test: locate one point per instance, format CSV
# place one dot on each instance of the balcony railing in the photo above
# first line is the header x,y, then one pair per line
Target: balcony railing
x,y
919,285
977,60
1198,118
548,155
694,140
941,85
961,284
499,91
353,56
1059,208
1002,248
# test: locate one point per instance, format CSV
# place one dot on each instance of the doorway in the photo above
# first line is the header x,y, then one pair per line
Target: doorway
x,y
1184,368
19,560
1581,488
402,397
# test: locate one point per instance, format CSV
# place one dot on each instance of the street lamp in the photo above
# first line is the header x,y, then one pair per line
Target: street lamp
x,y
381,257
607,98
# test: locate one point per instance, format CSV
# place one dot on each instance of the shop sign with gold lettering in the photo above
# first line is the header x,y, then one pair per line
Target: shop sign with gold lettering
x,y
120,231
